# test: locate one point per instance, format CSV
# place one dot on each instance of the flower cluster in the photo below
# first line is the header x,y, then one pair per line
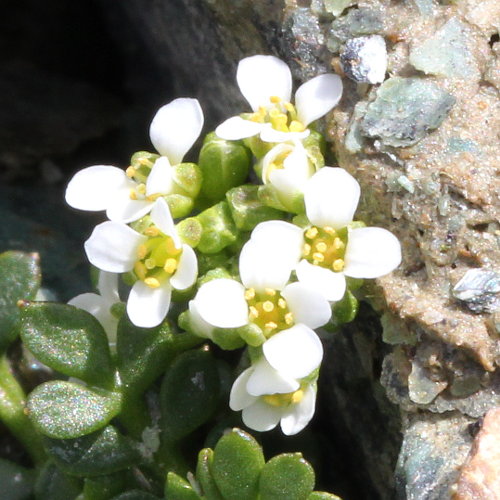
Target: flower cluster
x,y
260,266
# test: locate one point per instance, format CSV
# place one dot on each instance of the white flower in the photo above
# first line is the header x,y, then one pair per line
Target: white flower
x,y
330,250
99,305
266,83
173,131
267,397
158,259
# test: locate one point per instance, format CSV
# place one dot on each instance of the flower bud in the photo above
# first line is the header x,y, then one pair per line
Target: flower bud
x,y
188,178
219,230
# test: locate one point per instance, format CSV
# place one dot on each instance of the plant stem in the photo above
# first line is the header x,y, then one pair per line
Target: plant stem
x,y
12,406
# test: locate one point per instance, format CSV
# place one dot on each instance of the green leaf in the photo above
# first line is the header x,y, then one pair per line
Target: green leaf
x,y
64,410
17,482
345,310
219,230
135,495
237,463
322,495
54,484
204,475
104,487
286,477
20,279
177,488
68,340
189,393
103,452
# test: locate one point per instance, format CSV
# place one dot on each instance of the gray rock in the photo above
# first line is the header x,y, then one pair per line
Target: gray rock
x,y
354,140
364,59
446,53
479,289
404,110
336,7
425,7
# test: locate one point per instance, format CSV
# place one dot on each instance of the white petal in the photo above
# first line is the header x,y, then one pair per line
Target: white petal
x,y
262,77
122,209
264,379
371,252
270,157
187,270
221,302
328,283
300,414
108,287
331,196
293,177
112,247
260,416
307,305
281,236
239,397
146,306
175,128
316,97
262,266
236,128
295,352
200,326
162,218
160,178
92,187
269,134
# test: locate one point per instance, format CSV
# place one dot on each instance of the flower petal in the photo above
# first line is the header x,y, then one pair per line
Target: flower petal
x,y
307,305
262,77
175,128
92,187
221,302
264,379
160,179
122,209
371,252
260,416
199,325
280,236
108,287
269,134
328,283
112,247
295,352
317,96
300,414
162,218
187,270
239,397
236,128
146,306
331,196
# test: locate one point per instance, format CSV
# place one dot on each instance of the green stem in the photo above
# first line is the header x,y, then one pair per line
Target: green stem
x,y
12,407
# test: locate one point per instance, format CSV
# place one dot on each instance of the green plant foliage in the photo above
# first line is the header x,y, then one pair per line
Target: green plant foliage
x,y
204,475
177,488
189,393
286,477
322,495
20,280
17,482
219,230
345,310
68,340
65,410
54,484
135,495
104,487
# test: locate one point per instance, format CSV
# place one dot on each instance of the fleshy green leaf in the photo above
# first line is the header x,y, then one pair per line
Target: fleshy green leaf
x,y
219,230
54,484
286,477
103,452
64,410
189,393
135,495
177,488
345,310
69,340
103,487
20,278
322,495
17,482
237,463
204,475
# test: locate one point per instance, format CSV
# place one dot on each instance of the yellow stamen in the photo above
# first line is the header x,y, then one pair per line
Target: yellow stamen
x,y
271,325
152,282
253,312
153,197
282,303
130,171
329,230
140,270
270,291
268,306
150,263
311,233
152,231
275,99
142,251
297,396
289,318
318,256
133,195
307,249
338,265
273,399
296,126
249,294
338,244
321,247
170,266
141,188
289,107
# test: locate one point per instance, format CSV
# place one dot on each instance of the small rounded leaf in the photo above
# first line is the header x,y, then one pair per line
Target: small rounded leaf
x,y
204,475
177,488
238,461
54,484
135,495
286,477
16,481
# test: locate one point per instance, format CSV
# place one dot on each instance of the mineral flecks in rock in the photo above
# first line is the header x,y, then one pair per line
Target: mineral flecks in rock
x,y
336,7
404,110
364,59
479,289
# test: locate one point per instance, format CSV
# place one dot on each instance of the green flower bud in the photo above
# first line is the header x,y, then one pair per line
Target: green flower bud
x,y
247,209
258,147
141,164
224,164
207,262
270,196
227,338
189,231
315,146
219,230
179,205
188,178
214,274
252,334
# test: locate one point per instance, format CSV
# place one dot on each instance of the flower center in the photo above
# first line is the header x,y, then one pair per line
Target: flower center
x,y
277,163
139,172
280,114
158,258
283,400
325,247
268,310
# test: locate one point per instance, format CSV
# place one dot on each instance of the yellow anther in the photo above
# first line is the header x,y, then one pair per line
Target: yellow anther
x,y
275,99
253,312
152,282
329,230
140,270
249,294
142,251
274,399
270,291
141,188
317,256
271,325
338,244
170,266
296,126
321,246
338,265
268,306
289,107
133,195
282,303
171,248
307,249
274,112
145,161
289,318
152,231
150,263
311,233
153,197
130,171
297,396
